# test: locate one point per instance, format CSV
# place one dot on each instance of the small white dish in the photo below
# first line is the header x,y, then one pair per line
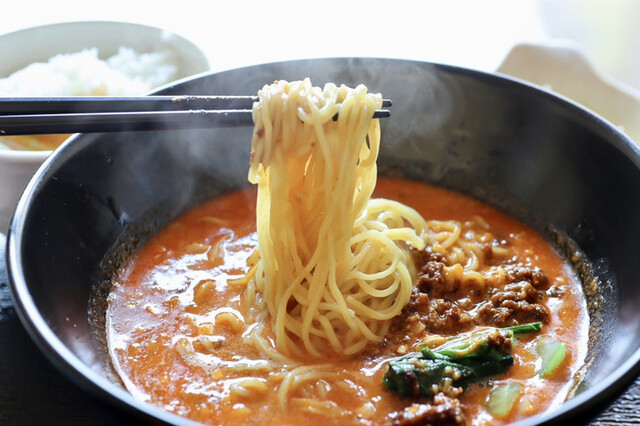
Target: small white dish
x,y
38,44
561,67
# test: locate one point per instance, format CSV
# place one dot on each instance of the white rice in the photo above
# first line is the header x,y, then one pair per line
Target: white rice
x,y
127,73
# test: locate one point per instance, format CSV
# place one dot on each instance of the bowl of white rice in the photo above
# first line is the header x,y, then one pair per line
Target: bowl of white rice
x,y
88,58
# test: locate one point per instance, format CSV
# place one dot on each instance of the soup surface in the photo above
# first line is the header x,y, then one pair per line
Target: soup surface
x,y
177,317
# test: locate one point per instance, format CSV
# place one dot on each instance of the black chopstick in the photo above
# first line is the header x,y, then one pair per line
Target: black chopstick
x,y
87,104
40,124
23,116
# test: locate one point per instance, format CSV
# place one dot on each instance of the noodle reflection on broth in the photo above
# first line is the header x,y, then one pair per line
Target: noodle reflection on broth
x,y
334,268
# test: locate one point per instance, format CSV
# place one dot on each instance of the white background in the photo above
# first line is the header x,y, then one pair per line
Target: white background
x,y
474,34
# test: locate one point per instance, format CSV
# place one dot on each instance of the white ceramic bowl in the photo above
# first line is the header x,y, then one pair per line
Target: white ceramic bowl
x,y
38,44
562,67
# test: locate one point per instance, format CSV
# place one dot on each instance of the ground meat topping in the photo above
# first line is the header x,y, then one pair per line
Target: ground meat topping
x,y
534,275
432,276
443,411
444,316
512,307
512,295
500,341
421,257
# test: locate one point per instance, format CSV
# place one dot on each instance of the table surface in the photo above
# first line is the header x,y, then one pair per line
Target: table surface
x,y
33,391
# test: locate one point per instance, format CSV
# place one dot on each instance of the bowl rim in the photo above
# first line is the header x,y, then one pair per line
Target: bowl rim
x,y
23,156
581,405
204,65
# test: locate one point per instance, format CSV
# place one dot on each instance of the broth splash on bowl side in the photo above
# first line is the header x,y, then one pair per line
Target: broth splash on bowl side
x,y
177,322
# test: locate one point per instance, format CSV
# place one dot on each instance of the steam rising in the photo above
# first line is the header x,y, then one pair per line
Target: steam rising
x,y
422,106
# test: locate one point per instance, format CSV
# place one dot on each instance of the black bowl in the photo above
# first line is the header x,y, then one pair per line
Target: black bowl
x,y
542,158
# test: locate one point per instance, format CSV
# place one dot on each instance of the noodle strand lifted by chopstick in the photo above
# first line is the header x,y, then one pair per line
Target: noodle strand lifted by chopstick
x,y
334,265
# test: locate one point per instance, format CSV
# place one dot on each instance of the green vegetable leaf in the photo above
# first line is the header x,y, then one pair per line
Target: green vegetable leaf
x,y
416,376
462,360
552,353
501,399
533,327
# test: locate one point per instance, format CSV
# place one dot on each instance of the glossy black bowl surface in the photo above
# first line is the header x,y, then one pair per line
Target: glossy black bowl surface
x,y
542,158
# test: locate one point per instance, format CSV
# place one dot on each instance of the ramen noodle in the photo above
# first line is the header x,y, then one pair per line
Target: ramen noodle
x,y
330,273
